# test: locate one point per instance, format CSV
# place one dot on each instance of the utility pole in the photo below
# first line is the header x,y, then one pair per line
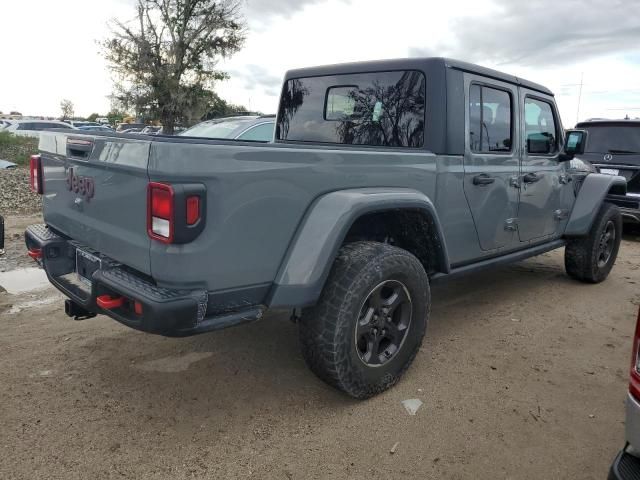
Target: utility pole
x,y
579,98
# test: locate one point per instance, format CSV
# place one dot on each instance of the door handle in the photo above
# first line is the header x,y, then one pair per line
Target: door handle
x,y
532,177
483,179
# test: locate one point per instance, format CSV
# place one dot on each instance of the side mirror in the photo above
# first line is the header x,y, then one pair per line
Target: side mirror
x,y
574,144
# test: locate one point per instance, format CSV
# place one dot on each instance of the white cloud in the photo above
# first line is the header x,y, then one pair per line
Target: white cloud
x,y
53,54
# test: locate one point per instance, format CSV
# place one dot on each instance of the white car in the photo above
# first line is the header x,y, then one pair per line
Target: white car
x,y
4,123
32,128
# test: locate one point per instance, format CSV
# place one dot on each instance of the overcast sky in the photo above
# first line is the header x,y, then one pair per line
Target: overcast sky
x,y
49,49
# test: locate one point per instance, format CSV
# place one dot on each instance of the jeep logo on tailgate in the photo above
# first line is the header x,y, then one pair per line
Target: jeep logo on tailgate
x,y
84,186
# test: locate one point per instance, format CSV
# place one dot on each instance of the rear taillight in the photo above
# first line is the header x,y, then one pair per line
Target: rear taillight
x,y
160,212
634,380
176,213
35,174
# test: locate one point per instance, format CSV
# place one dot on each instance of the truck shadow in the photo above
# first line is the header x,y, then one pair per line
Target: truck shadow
x,y
631,232
260,364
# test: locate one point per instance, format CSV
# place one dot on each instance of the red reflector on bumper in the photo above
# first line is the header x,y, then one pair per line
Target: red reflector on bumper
x,y
108,302
35,253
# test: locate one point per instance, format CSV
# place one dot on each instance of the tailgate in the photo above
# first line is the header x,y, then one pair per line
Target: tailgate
x,y
95,192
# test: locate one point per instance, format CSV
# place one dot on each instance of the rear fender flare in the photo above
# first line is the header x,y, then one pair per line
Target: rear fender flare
x,y
592,193
321,233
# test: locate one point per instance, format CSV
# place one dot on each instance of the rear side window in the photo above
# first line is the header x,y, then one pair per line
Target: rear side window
x,y
540,127
262,133
489,120
378,109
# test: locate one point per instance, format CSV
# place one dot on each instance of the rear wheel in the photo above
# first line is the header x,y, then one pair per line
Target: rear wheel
x,y
591,258
370,320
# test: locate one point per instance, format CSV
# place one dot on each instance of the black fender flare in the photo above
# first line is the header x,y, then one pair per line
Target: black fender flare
x,y
308,260
592,193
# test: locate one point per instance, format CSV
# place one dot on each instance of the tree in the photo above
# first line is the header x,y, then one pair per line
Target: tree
x,y
218,107
93,117
67,109
166,59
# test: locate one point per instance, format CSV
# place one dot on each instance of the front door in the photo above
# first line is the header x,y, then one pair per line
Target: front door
x,y
491,160
540,172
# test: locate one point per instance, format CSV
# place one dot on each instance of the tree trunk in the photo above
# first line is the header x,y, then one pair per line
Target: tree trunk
x,y
168,123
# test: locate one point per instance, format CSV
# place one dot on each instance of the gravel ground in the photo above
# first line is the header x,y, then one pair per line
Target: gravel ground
x,y
16,196
522,375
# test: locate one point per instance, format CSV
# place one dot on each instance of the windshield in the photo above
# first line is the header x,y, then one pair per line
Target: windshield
x,y
217,128
613,139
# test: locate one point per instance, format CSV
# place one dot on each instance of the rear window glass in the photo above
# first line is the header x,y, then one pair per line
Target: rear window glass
x,y
377,109
613,139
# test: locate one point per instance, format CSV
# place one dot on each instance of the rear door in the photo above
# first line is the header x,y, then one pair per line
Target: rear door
x,y
541,174
95,192
491,160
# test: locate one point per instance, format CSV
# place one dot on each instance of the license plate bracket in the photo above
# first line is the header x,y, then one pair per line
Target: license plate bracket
x,y
610,171
86,265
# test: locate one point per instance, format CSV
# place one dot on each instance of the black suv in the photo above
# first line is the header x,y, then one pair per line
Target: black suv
x,y
613,147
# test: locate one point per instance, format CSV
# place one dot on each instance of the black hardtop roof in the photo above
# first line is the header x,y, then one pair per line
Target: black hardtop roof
x,y
635,122
423,64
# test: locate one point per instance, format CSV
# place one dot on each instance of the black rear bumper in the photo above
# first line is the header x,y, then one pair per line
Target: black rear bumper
x,y
625,467
164,311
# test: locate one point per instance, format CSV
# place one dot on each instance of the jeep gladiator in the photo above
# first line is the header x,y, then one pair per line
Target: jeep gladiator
x,y
382,178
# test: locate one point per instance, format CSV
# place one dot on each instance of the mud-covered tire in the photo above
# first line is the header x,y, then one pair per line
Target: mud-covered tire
x,y
583,257
333,344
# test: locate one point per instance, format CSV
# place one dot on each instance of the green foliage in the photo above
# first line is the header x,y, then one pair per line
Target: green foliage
x,y
166,59
218,107
93,117
17,149
116,116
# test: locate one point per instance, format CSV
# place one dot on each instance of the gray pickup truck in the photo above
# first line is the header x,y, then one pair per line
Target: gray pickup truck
x,y
382,178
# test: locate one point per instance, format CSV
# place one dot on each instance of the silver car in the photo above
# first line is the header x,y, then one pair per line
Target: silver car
x,y
257,128
32,128
626,465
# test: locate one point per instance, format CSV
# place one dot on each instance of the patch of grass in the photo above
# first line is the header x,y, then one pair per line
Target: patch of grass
x,y
17,149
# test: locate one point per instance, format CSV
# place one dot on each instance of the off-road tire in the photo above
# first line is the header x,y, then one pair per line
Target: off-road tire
x,y
328,329
581,255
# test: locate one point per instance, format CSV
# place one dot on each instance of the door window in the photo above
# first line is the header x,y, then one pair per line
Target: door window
x,y
490,114
540,127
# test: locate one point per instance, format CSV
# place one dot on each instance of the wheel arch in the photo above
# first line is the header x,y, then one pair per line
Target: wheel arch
x,y
593,191
338,217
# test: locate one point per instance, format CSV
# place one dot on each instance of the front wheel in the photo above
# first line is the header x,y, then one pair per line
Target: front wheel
x,y
591,258
370,320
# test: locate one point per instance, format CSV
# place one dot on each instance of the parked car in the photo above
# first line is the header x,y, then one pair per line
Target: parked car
x,y
131,130
252,127
129,126
626,465
5,123
32,128
81,123
613,146
151,130
96,128
382,178
6,164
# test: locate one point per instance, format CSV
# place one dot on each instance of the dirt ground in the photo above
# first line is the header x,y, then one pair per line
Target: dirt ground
x,y
523,375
